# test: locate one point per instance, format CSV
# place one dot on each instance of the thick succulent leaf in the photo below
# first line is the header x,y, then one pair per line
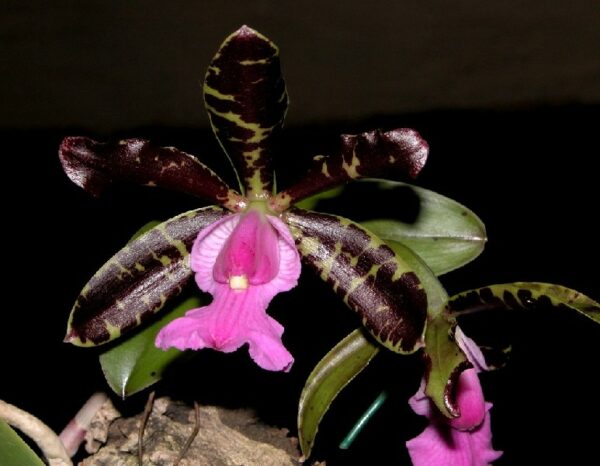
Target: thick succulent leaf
x,y
371,279
137,281
524,296
246,100
93,166
348,358
398,153
137,363
446,234
445,362
14,451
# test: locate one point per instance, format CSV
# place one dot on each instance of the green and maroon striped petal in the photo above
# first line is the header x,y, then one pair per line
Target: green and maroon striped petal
x,y
367,274
523,296
93,166
394,154
138,280
246,100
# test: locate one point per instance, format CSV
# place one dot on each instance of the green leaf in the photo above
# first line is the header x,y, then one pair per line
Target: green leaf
x,y
446,234
445,363
311,202
524,296
348,358
136,363
14,451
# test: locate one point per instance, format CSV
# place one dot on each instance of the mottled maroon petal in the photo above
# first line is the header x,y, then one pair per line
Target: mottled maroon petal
x,y
394,154
93,166
366,273
138,280
246,101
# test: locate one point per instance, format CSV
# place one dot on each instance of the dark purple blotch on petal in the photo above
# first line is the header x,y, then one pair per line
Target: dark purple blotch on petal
x,y
246,100
366,273
138,280
395,154
93,166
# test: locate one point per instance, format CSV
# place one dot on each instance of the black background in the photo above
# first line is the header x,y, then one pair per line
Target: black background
x,y
529,173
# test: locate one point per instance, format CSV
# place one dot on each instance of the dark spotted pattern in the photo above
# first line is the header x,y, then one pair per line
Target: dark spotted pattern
x,y
246,100
138,280
393,154
367,274
93,166
524,295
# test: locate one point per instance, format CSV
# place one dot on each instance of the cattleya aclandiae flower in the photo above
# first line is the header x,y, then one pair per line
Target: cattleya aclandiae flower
x,y
246,250
462,441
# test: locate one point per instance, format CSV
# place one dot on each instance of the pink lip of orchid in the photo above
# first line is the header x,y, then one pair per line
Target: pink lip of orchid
x,y
463,441
243,260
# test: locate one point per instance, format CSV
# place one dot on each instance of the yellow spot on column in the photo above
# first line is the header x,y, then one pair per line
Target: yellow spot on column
x,y
238,282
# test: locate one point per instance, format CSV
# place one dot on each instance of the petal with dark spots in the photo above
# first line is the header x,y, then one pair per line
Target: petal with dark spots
x,y
246,100
93,166
524,296
138,280
395,154
367,274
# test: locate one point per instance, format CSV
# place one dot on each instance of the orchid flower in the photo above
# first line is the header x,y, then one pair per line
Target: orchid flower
x,y
462,441
247,248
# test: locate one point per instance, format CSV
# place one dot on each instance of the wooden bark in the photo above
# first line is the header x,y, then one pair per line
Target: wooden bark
x,y
226,438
